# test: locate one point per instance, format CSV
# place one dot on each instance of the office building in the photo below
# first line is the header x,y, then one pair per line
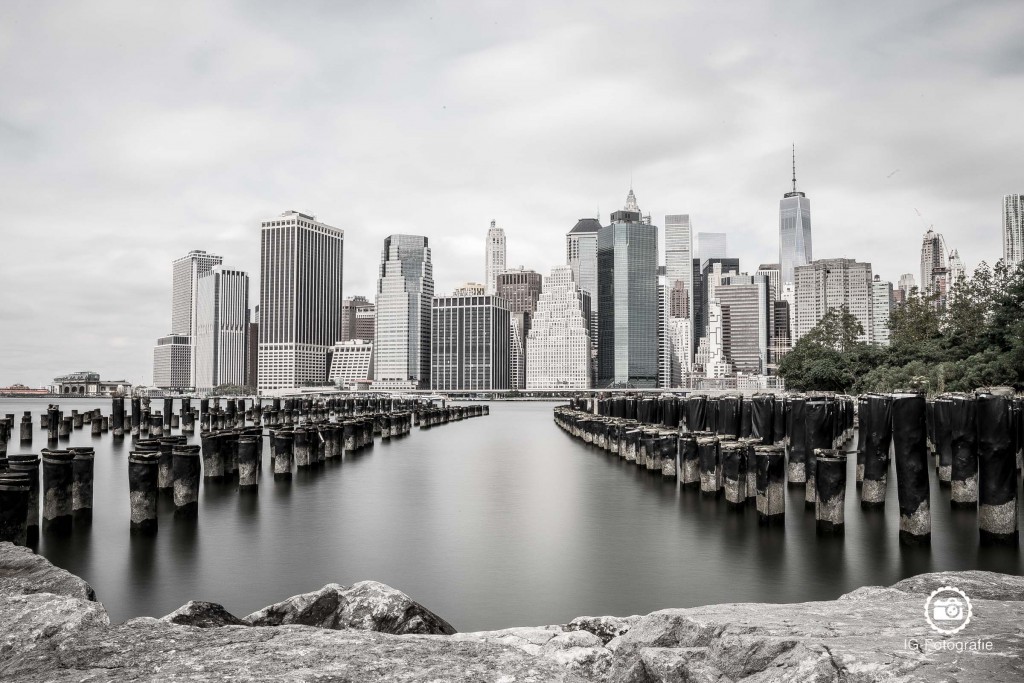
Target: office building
x,y
627,282
172,362
405,291
711,245
470,289
705,274
934,268
358,318
678,280
772,273
222,326
494,263
1013,229
558,345
521,288
300,300
517,350
904,289
794,230
881,303
782,337
351,363
469,343
581,255
745,303
957,271
828,284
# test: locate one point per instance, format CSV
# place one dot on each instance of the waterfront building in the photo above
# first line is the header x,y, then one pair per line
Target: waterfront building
x,y
469,343
351,362
172,362
881,308
711,245
252,356
405,290
222,323
828,284
627,282
358,318
88,383
558,344
494,263
794,230
300,300
745,303
1013,229
517,350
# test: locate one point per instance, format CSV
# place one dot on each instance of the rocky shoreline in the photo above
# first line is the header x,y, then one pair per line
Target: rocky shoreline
x,y
52,628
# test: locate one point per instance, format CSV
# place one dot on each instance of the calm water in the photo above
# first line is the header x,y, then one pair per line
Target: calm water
x,y
491,522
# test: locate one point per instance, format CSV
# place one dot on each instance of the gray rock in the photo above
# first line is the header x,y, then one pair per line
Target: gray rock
x,y
23,572
203,615
367,606
977,584
605,628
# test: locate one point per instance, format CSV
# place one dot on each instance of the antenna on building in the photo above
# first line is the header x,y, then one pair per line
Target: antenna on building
x,y
794,167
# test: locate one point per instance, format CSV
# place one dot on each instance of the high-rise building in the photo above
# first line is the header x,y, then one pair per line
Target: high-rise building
x,y
358,318
405,290
711,245
828,284
664,343
704,278
772,273
746,314
581,255
678,333
934,268
558,345
905,288
351,362
300,299
494,258
714,361
881,307
956,268
172,362
470,289
222,323
794,230
252,356
521,288
469,343
517,350
782,337
679,284
1013,229
185,275
627,284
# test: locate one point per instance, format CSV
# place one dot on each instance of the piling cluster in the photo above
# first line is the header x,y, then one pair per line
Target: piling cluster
x,y
53,491
749,448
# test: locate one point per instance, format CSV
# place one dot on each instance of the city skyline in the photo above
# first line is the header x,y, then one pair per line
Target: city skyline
x,y
177,131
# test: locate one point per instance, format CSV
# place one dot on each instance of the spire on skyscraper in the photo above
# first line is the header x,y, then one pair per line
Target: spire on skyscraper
x,y
794,167
631,204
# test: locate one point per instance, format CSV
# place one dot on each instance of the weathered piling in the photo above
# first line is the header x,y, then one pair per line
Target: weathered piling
x,y
52,424
300,447
56,495
830,492
771,485
26,427
247,470
117,416
997,471
14,507
797,437
213,458
943,434
165,466
76,419
964,469
750,465
156,424
911,455
820,432
28,464
761,418
734,474
188,418
876,432
669,452
186,470
168,413
708,456
283,455
96,426
65,427
142,486
136,417
82,469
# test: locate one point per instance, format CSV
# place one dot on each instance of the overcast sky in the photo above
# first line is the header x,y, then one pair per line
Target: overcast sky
x,y
132,132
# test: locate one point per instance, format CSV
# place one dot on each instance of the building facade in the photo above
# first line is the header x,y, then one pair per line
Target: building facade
x,y
172,362
745,302
222,326
405,291
881,308
1013,229
679,286
351,362
521,288
934,267
358,319
829,284
300,300
794,231
627,282
705,275
494,262
558,345
581,255
88,383
711,245
469,343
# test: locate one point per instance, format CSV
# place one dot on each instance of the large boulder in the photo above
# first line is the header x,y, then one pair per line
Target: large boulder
x,y
365,606
203,615
23,572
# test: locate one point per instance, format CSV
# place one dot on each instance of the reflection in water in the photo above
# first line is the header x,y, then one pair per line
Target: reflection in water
x,y
493,522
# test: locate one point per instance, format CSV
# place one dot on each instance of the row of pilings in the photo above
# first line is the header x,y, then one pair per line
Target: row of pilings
x,y
747,449
53,490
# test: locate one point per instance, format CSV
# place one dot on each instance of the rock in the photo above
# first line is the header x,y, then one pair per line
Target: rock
x,y
23,572
605,628
203,615
978,585
367,606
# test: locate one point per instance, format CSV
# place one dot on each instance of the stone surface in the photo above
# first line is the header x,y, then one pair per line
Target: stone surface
x,y
50,629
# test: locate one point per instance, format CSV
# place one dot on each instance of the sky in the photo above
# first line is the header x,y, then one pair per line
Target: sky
x,y
132,132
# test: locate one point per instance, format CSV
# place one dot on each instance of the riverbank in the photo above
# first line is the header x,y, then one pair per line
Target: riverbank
x,y
52,628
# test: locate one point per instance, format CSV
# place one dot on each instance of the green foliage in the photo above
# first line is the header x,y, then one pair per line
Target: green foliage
x,y
975,340
232,390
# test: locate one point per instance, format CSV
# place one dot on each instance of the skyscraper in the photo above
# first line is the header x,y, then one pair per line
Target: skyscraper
x,y
300,299
521,288
905,287
172,362
704,274
351,362
627,284
222,327
558,345
405,290
828,284
711,245
185,275
881,307
1013,229
746,314
794,230
494,258
358,319
581,255
679,285
933,262
469,343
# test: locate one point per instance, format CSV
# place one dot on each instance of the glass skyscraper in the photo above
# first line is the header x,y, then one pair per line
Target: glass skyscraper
x,y
794,231
405,291
627,286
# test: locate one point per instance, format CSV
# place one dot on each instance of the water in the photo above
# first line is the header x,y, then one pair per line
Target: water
x,y
491,522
